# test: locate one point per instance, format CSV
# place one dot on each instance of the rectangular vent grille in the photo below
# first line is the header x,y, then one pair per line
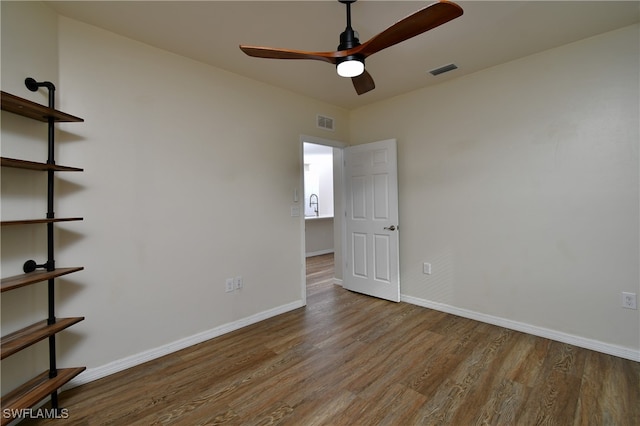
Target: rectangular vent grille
x,y
325,122
444,69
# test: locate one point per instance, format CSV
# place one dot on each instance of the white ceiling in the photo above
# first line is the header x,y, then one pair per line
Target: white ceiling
x,y
489,33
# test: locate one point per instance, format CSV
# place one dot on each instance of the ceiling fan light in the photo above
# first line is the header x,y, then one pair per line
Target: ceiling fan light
x,y
350,68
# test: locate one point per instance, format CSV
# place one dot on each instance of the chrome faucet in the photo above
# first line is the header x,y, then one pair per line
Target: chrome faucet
x,y
311,203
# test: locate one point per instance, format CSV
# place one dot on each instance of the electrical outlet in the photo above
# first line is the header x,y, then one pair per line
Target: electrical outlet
x,y
629,300
238,282
229,286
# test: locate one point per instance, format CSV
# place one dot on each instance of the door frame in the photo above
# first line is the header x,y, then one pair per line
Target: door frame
x,y
338,200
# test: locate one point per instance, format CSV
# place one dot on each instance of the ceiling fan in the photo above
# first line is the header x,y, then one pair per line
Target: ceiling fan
x,y
350,56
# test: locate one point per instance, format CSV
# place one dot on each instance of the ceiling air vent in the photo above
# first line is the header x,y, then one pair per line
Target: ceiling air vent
x,y
444,69
324,122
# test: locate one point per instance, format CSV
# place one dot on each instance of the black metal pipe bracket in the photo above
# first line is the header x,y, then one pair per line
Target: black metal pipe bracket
x,y
31,265
34,85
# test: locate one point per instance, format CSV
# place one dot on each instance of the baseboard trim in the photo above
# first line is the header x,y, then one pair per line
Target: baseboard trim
x,y
92,374
337,281
319,252
595,345
96,373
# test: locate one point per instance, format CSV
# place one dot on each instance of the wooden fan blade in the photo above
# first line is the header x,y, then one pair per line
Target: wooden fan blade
x,y
275,53
423,20
363,83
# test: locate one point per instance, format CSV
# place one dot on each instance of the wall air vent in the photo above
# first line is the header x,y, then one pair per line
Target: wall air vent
x,y
443,69
325,122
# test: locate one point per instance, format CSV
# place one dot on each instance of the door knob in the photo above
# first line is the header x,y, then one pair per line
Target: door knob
x,y
390,228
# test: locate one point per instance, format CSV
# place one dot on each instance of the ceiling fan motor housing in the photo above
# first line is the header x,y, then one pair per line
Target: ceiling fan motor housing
x,y
349,38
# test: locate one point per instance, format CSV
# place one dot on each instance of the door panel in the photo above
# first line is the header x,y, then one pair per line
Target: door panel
x,y
359,259
372,239
380,198
382,253
358,202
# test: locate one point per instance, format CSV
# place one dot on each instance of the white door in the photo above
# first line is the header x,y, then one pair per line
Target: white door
x,y
371,223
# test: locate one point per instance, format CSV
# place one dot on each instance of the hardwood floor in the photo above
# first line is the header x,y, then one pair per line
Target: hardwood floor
x,y
349,359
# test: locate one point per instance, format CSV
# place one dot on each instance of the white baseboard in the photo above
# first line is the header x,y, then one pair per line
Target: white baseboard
x,y
96,373
92,374
319,252
595,345
337,281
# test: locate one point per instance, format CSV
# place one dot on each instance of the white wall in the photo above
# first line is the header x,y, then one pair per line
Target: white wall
x,y
177,156
520,185
35,52
318,236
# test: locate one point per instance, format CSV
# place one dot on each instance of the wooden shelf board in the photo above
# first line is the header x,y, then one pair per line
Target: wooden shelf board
x,y
17,281
18,340
34,165
36,390
33,110
34,221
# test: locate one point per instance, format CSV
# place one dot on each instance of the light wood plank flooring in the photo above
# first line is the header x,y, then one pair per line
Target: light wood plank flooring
x,y
349,359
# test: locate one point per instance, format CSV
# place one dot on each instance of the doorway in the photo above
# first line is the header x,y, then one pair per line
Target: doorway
x,y
320,274
318,199
322,185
